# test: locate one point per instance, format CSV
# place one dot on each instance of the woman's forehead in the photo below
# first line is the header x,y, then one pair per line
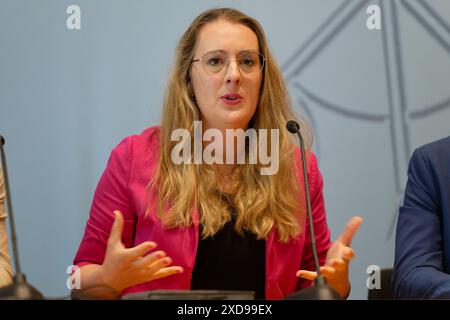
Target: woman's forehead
x,y
226,36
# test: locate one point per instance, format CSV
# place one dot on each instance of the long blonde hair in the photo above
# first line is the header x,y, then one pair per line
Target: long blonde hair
x,y
261,201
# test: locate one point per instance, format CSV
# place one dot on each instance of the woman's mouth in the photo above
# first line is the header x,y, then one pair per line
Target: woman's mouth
x,y
231,98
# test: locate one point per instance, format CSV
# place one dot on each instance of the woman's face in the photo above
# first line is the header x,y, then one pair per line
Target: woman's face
x,y
227,99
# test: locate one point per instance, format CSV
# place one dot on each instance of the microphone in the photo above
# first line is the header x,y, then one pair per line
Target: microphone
x,y
20,289
320,290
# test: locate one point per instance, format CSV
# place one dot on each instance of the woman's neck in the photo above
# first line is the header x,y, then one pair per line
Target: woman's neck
x,y
225,177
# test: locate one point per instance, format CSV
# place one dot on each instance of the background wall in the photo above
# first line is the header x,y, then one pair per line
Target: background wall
x,y
67,97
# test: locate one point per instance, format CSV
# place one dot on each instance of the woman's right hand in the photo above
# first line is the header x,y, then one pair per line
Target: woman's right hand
x,y
126,267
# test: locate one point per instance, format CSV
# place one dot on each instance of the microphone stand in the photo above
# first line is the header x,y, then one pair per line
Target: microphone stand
x,y
320,290
20,289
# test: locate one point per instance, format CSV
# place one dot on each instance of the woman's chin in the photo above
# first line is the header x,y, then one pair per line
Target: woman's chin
x,y
235,123
234,118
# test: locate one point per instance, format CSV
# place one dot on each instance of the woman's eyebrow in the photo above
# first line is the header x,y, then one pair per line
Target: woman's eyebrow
x,y
224,51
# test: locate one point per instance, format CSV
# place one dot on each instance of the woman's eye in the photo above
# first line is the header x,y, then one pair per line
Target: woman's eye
x,y
215,61
248,62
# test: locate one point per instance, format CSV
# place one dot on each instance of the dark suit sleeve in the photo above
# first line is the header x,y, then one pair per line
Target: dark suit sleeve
x,y
418,268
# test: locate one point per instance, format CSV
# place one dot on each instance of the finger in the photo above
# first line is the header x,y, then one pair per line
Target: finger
x,y
149,259
141,249
348,254
158,264
116,229
338,264
350,230
327,271
309,275
165,272
326,268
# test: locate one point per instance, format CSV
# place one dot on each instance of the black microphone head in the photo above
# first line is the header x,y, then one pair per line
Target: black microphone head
x,y
2,140
293,126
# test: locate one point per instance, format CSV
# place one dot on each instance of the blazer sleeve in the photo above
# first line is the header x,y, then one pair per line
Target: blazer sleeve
x,y
418,267
112,193
321,230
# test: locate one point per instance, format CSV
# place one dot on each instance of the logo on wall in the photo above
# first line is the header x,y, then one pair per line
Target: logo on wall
x,y
399,113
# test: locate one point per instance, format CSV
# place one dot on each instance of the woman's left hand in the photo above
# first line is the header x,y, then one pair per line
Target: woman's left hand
x,y
337,261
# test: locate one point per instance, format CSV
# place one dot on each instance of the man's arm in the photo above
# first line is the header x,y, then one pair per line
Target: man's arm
x,y
419,269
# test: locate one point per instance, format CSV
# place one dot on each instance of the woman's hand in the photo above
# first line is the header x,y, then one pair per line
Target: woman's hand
x,y
123,268
337,261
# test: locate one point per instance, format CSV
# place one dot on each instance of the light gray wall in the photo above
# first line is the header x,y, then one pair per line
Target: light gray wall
x,y
67,97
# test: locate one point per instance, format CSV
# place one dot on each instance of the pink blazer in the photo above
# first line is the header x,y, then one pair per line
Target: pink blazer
x,y
123,186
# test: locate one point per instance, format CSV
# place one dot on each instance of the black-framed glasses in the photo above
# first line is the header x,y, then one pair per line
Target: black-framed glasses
x,y
249,62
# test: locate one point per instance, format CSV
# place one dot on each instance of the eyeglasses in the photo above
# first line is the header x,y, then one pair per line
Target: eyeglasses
x,y
249,62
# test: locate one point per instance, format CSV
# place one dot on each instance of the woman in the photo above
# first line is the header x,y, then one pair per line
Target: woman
x,y
6,273
220,226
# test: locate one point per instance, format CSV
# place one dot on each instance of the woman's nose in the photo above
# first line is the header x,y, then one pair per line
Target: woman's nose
x,y
233,72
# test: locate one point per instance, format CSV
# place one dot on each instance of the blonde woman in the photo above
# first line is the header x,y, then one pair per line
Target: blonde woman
x,y
6,273
156,223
